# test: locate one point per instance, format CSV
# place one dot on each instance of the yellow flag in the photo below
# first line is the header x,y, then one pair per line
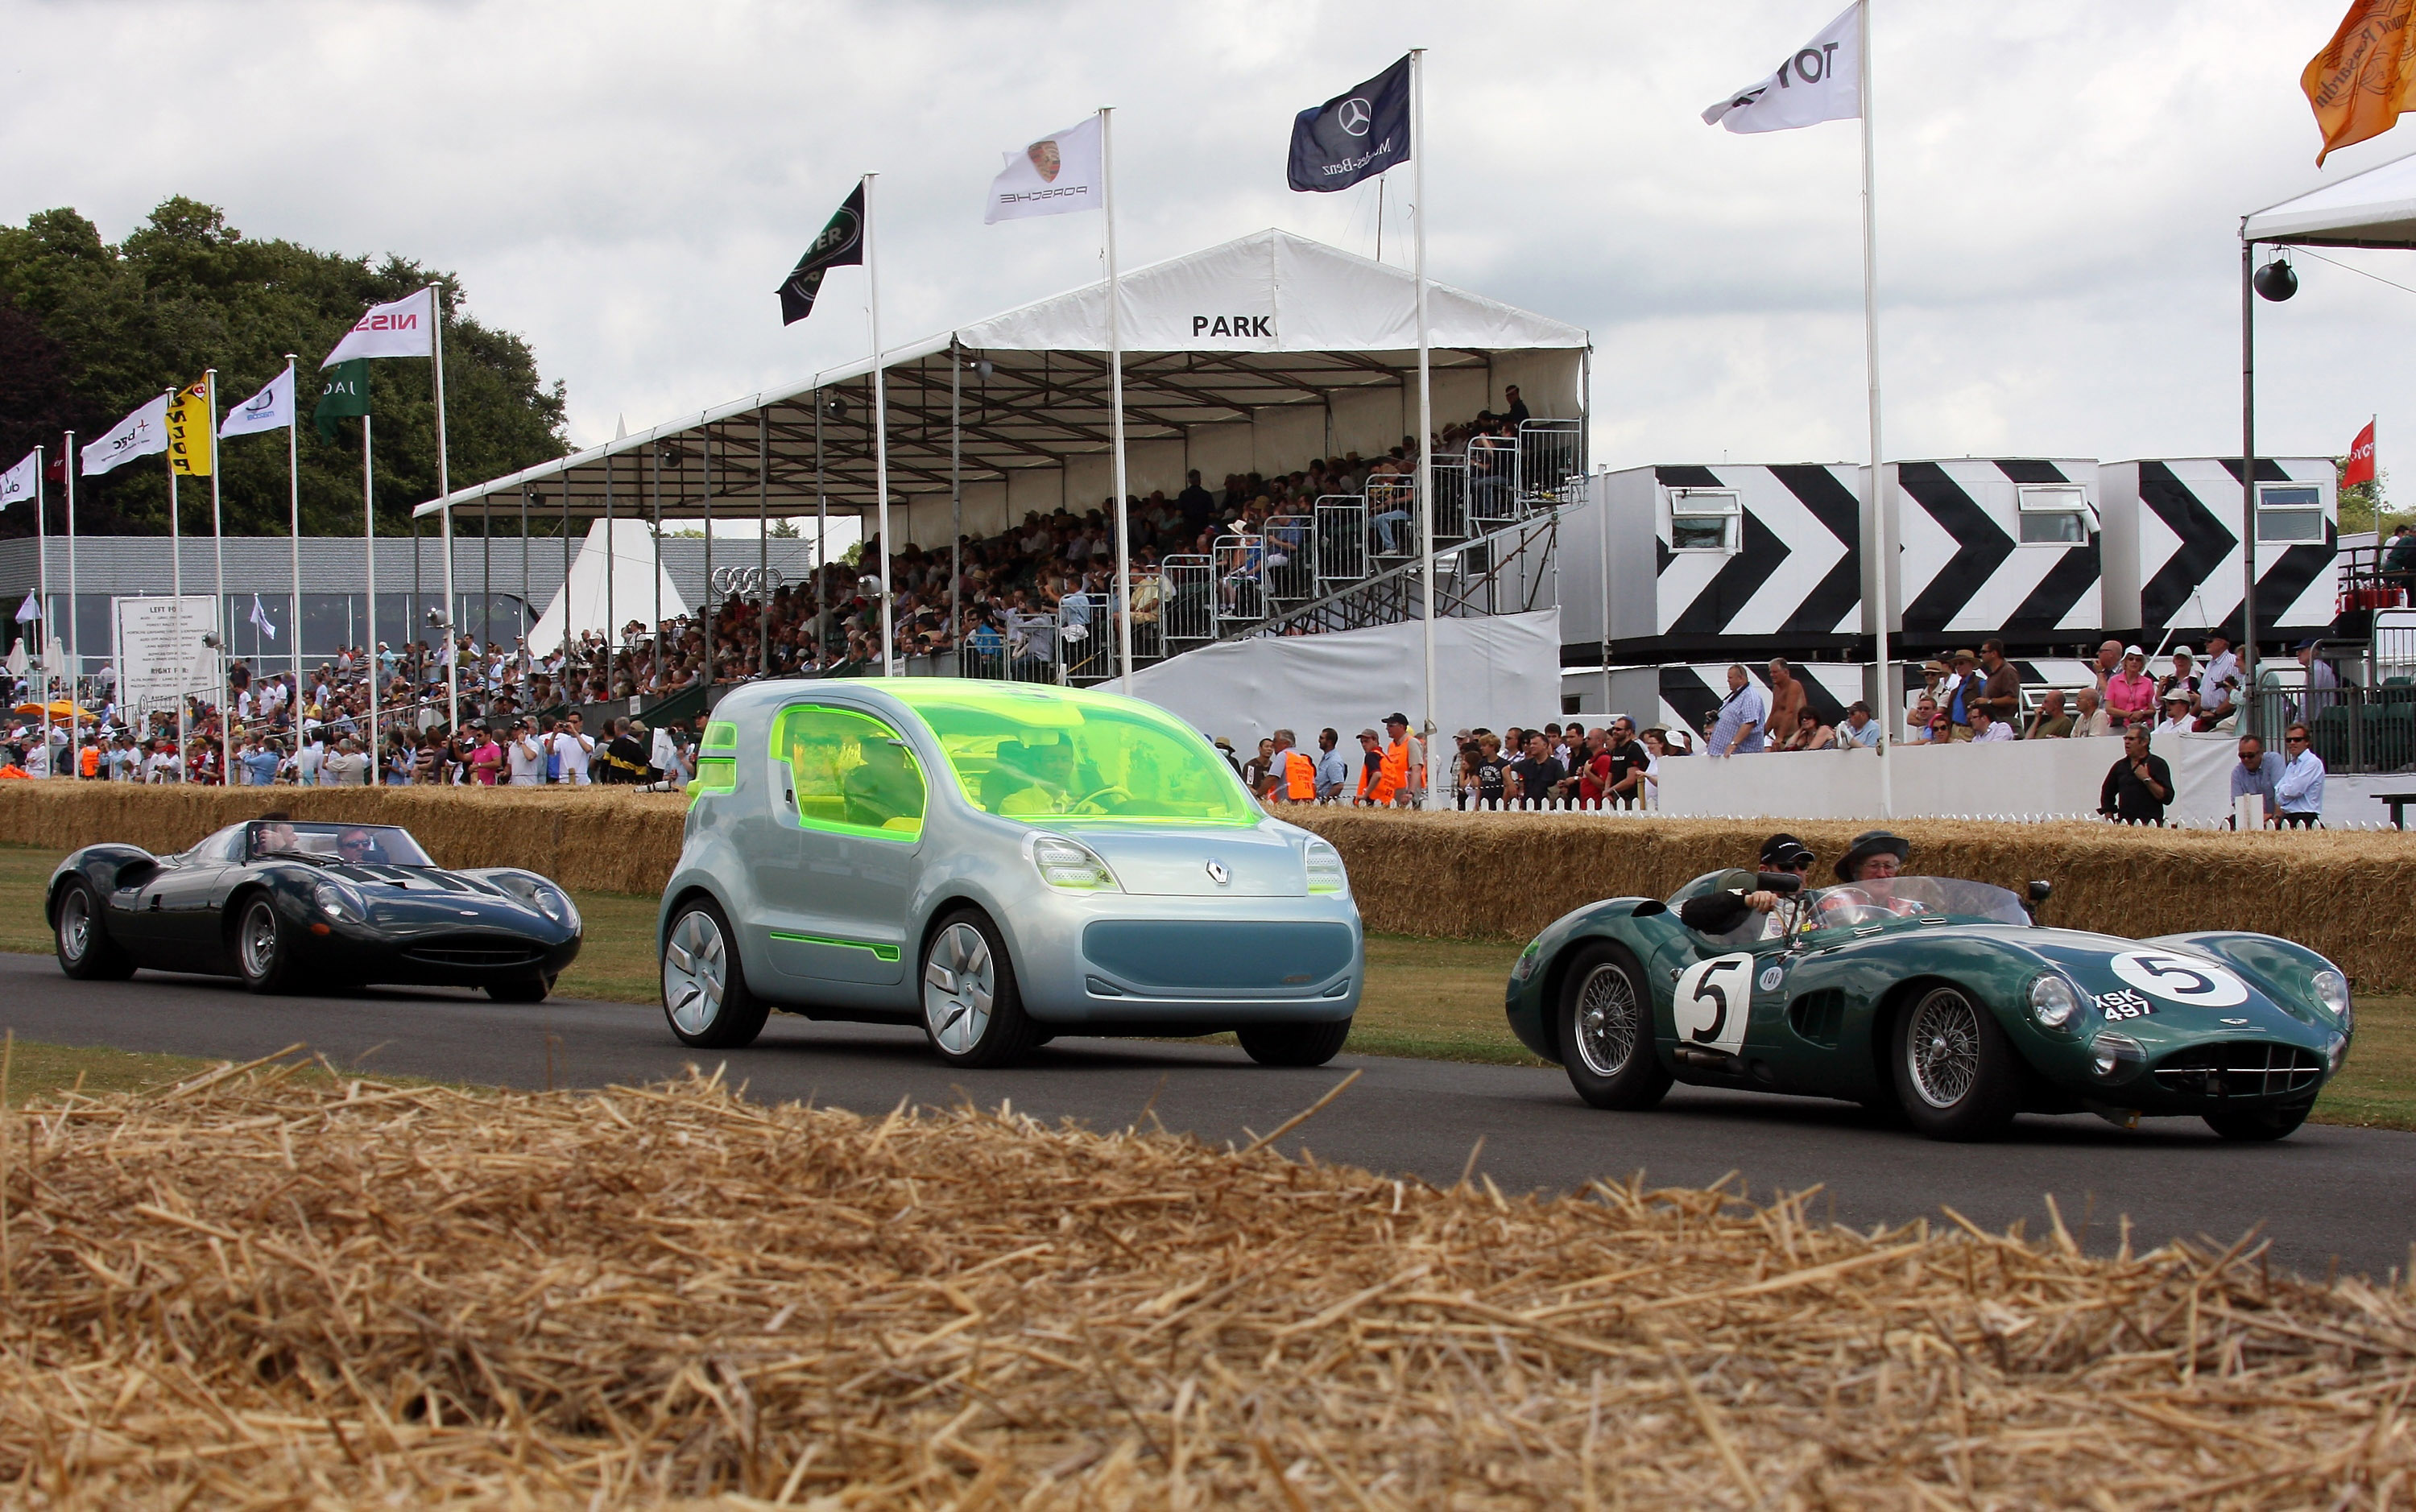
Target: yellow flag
x,y
192,451
2361,82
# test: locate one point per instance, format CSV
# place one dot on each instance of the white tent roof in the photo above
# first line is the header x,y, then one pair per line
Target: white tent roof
x,y
581,603
2376,208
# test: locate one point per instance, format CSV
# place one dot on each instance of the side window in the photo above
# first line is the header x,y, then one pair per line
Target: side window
x,y
853,773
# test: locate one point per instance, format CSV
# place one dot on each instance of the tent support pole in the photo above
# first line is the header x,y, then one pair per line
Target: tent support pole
x,y
1426,413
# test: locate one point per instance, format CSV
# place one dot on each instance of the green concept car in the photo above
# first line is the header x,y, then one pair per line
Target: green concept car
x,y
1942,998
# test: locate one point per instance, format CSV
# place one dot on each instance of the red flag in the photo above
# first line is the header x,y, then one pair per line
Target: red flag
x,y
2361,459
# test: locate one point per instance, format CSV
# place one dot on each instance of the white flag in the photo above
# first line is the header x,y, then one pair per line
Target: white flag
x,y
271,408
1053,176
406,328
20,482
1822,82
30,609
144,433
260,617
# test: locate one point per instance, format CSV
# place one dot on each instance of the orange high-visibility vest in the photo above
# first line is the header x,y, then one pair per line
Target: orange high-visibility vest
x,y
91,760
1299,777
1395,774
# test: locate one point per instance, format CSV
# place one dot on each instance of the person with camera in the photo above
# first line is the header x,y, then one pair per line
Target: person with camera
x,y
525,754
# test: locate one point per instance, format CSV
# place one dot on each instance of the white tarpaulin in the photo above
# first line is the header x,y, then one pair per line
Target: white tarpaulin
x,y
1495,671
2376,208
1269,291
581,603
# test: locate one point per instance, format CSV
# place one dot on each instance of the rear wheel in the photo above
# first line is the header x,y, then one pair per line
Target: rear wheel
x,y
85,951
2261,1123
704,988
1956,1074
534,989
263,952
973,1012
1293,1044
1605,1030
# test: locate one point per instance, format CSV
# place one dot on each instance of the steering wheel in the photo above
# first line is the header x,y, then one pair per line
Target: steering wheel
x,y
1099,793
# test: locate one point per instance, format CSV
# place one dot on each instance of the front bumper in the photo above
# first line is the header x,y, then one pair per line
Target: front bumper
x,y
1139,960
410,943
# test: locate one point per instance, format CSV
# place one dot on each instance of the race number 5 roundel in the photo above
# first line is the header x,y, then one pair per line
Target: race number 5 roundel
x,y
2181,978
1713,1001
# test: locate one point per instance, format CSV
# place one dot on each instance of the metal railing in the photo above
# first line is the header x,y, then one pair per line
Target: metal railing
x,y
2355,730
1450,500
1241,580
1341,540
1550,454
1188,612
1492,482
1393,516
1291,558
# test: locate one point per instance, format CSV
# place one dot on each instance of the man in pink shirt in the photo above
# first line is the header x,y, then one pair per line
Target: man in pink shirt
x,y
2131,694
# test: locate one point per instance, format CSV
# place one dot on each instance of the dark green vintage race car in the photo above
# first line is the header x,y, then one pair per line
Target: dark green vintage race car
x,y
1945,998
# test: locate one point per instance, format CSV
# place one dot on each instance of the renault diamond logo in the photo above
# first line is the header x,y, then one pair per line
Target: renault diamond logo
x,y
1354,116
1217,873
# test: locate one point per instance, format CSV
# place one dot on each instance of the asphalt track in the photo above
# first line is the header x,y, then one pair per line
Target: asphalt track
x,y
2324,1197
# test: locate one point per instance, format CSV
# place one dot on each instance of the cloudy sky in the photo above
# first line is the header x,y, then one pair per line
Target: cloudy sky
x,y
625,184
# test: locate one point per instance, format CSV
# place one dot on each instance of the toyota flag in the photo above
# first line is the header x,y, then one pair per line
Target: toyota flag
x,y
2359,468
1354,135
271,408
840,245
144,433
405,328
20,482
1053,176
1823,81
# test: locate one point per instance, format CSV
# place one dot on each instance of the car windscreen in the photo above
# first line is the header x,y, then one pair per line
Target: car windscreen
x,y
351,845
1040,756
1895,899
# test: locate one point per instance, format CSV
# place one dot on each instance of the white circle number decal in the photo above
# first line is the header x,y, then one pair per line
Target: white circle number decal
x,y
1713,1001
2181,978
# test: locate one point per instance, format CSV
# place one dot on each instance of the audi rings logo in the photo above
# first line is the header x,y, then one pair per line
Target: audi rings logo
x,y
741,582
1354,116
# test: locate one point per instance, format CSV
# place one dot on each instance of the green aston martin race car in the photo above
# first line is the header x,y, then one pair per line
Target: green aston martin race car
x,y
1944,997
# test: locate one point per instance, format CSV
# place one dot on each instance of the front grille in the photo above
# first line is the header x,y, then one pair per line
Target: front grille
x,y
475,952
2239,1068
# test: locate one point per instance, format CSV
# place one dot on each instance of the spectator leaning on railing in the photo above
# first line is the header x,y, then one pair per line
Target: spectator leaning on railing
x,y
2257,772
1860,731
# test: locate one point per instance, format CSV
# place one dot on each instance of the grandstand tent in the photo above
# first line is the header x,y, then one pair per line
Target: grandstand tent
x,y
1254,355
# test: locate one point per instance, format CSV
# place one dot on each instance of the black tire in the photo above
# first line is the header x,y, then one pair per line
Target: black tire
x,y
705,996
534,989
1958,1077
2259,1124
264,944
963,963
1604,1028
81,937
1293,1044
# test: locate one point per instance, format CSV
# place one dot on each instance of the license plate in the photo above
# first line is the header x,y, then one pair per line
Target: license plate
x,y
2124,1004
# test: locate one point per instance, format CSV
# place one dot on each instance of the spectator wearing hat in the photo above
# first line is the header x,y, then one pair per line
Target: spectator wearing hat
x,y
1737,725
1404,765
2184,675
2131,694
1860,730
1371,768
2299,790
1958,692
2177,719
2136,788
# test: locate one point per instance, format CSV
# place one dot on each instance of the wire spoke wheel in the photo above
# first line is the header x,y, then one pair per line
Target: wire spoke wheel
x,y
1607,1021
75,925
959,986
257,939
696,971
1942,1048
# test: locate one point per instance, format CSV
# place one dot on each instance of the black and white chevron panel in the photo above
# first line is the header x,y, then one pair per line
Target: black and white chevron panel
x,y
1962,569
1693,691
2173,556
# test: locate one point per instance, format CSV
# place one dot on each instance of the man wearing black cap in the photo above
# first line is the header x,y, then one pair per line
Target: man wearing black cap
x,y
1724,911
1404,765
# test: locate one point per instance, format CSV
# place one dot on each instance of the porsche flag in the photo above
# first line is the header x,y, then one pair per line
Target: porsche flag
x,y
2365,76
840,245
192,451
1053,176
1821,81
144,433
1357,134
405,327
17,485
2360,467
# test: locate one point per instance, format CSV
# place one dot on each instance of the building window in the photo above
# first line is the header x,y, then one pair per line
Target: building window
x,y
2290,513
2054,515
1703,520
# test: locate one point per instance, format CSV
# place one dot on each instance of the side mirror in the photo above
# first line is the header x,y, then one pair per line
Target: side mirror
x,y
2036,894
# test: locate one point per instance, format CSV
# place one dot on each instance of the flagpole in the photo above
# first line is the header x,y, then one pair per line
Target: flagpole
x,y
176,589
1426,401
1116,398
75,660
369,551
293,508
2250,721
218,593
445,491
880,429
1877,531
42,587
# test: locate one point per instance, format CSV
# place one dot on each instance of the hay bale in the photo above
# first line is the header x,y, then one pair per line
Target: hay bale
x,y
262,1291
1506,876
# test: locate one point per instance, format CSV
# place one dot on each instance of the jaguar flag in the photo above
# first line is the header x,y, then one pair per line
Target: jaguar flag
x,y
343,395
18,484
840,245
2359,468
192,451
271,408
144,433
404,328
1823,81
2365,75
1354,135
1054,176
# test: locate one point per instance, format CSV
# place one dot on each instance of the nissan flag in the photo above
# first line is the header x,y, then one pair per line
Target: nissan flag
x,y
271,408
840,245
144,433
1354,135
1053,176
405,328
20,482
1821,81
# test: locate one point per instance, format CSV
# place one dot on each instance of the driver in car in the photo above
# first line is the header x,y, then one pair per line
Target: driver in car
x,y
881,788
272,834
358,847
1722,912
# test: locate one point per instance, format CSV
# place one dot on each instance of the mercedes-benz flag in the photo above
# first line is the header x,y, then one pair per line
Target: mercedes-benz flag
x,y
1055,175
271,408
404,328
1821,81
19,482
840,245
144,433
1354,135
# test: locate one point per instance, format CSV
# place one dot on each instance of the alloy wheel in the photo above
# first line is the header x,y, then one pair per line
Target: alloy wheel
x,y
75,925
960,983
1605,1021
259,940
1942,1048
696,967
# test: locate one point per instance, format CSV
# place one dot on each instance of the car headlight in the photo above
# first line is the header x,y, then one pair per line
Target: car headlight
x,y
339,902
2331,990
1324,866
540,894
1527,960
1064,863
2053,1003
2114,1056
